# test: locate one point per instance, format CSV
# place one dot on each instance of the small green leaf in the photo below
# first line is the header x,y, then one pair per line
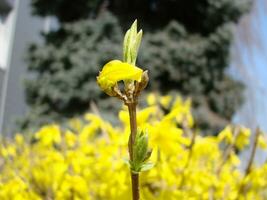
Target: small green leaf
x,y
141,153
147,166
131,44
126,45
140,147
127,162
137,44
133,32
148,154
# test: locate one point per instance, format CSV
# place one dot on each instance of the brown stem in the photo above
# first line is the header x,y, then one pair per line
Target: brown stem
x,y
253,152
135,186
192,143
249,165
227,152
133,125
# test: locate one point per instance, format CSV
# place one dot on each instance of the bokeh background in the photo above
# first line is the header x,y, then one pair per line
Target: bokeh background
x,y
64,138
211,51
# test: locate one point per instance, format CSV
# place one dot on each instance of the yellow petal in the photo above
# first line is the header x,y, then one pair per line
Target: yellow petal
x,y
115,71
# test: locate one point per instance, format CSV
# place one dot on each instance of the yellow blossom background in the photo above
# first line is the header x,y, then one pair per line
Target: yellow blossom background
x,y
86,160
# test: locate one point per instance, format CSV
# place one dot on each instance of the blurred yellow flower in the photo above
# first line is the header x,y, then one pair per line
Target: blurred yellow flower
x,y
79,163
262,142
242,139
151,99
165,101
49,135
226,135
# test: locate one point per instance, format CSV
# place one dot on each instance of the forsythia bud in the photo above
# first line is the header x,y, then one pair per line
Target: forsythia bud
x,y
133,77
142,84
141,153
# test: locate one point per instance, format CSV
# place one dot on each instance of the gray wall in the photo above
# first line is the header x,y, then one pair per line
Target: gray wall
x,y
27,29
2,73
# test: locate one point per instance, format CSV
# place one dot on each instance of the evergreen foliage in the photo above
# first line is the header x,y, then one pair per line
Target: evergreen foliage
x,y
186,49
65,68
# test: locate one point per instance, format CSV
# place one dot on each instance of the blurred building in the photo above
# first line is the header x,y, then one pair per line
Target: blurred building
x,y
17,29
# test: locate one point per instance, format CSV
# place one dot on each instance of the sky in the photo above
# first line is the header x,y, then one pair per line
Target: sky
x,y
249,64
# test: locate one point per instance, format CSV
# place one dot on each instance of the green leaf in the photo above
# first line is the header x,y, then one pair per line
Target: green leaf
x,y
140,147
127,162
147,166
148,154
131,44
141,153
126,46
136,45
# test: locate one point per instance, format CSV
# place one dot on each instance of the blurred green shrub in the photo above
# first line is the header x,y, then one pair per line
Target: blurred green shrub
x,y
186,49
66,68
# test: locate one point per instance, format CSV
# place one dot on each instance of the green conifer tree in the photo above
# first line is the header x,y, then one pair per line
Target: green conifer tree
x,y
186,49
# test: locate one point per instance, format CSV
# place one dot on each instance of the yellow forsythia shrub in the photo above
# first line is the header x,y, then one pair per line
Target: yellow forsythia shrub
x,y
86,161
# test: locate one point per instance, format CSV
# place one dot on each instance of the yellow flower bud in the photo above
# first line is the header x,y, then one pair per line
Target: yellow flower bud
x,y
115,71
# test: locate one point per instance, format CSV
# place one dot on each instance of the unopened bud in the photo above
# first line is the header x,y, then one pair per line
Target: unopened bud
x,y
142,84
144,80
141,153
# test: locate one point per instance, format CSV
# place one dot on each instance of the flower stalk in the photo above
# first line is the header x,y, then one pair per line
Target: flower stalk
x,y
133,125
135,80
242,187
